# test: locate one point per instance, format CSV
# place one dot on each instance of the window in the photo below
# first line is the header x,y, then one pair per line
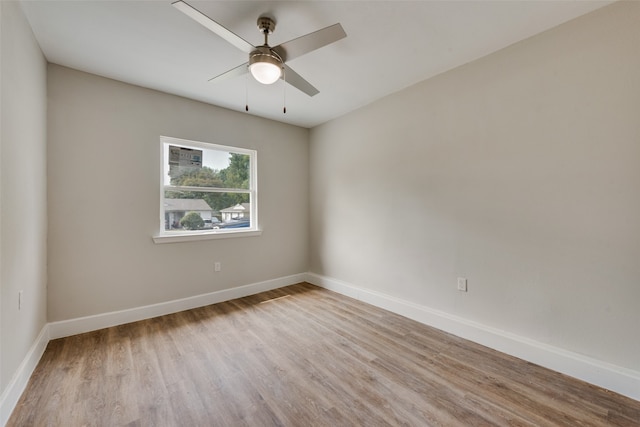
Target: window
x,y
207,190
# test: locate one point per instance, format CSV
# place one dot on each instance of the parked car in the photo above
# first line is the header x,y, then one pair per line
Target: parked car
x,y
236,223
211,223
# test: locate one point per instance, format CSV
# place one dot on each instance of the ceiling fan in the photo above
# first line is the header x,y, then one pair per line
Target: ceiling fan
x,y
268,64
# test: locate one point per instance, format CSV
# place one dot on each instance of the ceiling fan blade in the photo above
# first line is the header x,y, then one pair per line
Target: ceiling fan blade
x,y
296,80
312,41
237,71
212,25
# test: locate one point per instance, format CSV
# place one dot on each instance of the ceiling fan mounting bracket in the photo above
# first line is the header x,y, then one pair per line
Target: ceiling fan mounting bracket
x,y
266,25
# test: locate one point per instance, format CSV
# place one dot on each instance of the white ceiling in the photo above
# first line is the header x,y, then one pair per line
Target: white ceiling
x,y
390,45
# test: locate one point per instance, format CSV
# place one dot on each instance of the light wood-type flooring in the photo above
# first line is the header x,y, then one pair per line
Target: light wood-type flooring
x,y
299,356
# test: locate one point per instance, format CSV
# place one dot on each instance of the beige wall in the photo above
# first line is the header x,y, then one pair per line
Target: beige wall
x,y
520,172
23,191
104,172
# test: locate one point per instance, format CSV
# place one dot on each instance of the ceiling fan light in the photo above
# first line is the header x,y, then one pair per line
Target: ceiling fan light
x,y
265,67
265,72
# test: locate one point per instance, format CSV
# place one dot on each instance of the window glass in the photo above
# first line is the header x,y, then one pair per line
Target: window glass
x,y
207,188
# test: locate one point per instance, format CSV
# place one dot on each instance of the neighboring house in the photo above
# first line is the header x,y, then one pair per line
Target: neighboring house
x,y
175,209
241,210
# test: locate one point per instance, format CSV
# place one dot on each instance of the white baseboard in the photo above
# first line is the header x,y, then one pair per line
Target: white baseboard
x,y
615,378
81,325
16,386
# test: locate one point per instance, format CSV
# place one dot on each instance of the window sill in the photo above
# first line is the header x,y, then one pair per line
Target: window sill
x,y
185,237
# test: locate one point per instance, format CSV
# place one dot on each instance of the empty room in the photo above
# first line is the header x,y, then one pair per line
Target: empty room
x,y
319,213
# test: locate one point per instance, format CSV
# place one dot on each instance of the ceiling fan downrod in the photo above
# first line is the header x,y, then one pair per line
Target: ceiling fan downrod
x,y
266,26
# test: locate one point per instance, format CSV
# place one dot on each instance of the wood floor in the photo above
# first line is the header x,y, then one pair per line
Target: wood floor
x,y
299,356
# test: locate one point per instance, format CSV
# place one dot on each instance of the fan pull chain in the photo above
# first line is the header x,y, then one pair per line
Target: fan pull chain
x,y
246,93
284,92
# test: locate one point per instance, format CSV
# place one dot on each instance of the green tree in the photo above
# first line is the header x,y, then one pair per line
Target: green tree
x,y
196,177
192,221
236,175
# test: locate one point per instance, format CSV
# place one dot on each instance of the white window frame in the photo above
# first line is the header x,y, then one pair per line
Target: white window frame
x,y
188,235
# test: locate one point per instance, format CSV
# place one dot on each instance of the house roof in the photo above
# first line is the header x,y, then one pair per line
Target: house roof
x,y
186,205
241,207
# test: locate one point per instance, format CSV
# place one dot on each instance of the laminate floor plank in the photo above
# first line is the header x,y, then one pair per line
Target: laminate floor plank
x,y
426,385
297,375
316,348
299,356
525,379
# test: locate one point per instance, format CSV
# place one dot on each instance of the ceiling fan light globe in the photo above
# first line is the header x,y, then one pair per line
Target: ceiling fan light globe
x,y
265,72
264,65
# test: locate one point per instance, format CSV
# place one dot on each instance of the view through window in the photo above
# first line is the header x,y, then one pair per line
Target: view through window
x,y
207,188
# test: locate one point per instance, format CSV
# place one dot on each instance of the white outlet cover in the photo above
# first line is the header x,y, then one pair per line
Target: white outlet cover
x,y
462,284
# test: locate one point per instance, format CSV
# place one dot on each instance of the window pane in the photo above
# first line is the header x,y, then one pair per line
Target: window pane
x,y
189,210
206,187
201,167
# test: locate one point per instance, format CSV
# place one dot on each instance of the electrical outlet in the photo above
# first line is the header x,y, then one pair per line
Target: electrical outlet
x,y
462,284
19,300
217,266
